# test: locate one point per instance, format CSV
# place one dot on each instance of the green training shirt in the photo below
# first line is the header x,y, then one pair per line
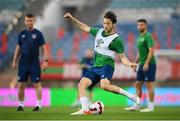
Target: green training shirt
x,y
116,45
144,42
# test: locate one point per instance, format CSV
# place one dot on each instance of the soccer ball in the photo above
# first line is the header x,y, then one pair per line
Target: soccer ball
x,y
97,107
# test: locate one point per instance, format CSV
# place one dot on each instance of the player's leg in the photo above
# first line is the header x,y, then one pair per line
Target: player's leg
x,y
138,87
106,74
140,80
21,90
13,82
90,78
150,78
150,88
38,88
35,73
106,85
90,89
77,102
22,80
82,86
150,107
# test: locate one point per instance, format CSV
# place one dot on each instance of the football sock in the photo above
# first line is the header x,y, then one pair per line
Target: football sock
x,y
21,103
38,103
151,105
125,93
85,103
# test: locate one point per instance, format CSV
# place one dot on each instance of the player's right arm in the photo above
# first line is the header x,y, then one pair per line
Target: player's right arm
x,y
82,26
16,56
137,61
137,58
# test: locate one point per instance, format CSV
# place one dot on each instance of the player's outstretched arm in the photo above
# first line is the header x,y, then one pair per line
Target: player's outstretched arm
x,y
126,62
16,55
81,25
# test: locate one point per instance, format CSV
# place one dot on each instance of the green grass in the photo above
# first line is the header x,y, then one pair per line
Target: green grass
x,y
111,113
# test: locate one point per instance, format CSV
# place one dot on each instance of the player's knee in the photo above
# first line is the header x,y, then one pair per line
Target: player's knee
x,y
149,85
39,87
138,85
21,86
81,84
104,86
150,89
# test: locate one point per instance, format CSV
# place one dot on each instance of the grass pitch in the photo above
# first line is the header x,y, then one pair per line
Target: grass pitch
x,y
110,113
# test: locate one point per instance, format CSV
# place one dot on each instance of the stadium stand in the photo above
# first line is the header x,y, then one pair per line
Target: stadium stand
x,y
163,25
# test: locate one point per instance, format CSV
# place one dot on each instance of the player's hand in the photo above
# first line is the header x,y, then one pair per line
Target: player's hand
x,y
133,66
14,65
44,65
67,15
146,67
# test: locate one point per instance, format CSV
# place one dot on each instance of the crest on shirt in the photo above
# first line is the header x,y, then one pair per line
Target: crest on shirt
x,y
23,36
34,36
142,39
99,42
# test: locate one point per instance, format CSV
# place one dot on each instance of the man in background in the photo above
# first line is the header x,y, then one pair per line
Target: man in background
x,y
147,65
29,42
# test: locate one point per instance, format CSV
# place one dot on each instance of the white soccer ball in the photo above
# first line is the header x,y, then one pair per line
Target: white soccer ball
x,y
97,107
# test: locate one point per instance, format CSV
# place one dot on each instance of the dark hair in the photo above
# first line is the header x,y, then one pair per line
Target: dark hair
x,y
29,15
110,15
142,20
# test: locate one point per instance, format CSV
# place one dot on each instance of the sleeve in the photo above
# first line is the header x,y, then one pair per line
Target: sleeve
x,y
19,40
41,39
117,45
94,31
150,41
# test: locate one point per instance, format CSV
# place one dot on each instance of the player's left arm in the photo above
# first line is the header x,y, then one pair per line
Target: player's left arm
x,y
149,57
43,46
117,45
150,44
45,57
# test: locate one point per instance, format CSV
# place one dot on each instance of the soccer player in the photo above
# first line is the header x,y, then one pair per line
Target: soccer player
x,y
147,65
107,44
29,42
85,65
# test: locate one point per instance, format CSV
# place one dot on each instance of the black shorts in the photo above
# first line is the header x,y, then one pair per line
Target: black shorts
x,y
148,75
95,74
33,71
